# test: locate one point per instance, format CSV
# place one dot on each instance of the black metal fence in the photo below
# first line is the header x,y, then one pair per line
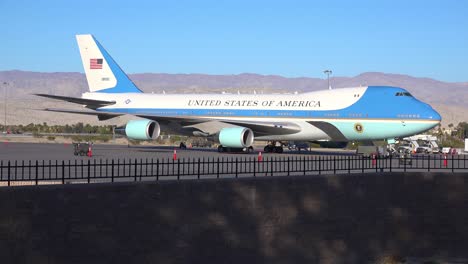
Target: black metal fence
x,y
93,171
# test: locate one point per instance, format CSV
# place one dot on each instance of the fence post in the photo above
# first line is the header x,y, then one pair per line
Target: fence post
x,y
453,164
112,171
236,167
362,163
334,164
349,164
9,167
157,170
254,166
89,171
428,162
377,162
135,170
63,172
288,165
37,172
304,163
404,163
178,169
198,169
271,165
319,165
391,162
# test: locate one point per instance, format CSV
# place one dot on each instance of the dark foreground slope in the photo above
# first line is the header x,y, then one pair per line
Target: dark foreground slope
x,y
328,219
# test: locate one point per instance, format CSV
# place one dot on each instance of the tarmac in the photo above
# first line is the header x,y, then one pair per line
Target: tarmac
x,y
11,151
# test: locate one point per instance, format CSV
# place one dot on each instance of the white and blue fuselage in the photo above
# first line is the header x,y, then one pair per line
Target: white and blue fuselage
x,y
363,113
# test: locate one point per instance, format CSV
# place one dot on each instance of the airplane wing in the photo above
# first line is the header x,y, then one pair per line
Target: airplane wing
x,y
100,115
90,103
259,128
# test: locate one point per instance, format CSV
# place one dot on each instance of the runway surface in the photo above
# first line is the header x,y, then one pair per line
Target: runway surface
x,y
32,164
40,151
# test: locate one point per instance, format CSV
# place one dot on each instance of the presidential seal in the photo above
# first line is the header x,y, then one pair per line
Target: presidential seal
x,y
358,127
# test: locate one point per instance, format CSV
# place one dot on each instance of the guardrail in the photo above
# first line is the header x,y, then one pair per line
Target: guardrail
x,y
94,171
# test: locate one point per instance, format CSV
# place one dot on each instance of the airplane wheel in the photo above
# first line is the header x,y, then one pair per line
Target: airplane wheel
x,y
250,149
268,149
279,149
220,149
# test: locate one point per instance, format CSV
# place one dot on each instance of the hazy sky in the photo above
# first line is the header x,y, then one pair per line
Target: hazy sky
x,y
289,38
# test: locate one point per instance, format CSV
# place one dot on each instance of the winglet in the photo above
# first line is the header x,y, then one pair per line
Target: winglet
x,y
103,74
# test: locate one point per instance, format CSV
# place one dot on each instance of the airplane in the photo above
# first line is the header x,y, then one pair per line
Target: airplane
x,y
237,120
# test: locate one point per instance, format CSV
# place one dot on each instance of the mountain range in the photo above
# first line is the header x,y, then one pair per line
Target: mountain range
x,y
448,98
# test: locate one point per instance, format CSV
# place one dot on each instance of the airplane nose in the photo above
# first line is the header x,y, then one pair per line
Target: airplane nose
x,y
435,115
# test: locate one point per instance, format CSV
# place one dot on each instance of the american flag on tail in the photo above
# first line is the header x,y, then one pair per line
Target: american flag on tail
x,y
95,64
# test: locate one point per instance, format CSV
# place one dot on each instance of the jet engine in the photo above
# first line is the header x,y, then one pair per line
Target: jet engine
x,y
142,129
236,137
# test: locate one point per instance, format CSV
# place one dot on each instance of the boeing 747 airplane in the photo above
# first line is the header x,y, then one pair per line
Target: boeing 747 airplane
x,y
236,120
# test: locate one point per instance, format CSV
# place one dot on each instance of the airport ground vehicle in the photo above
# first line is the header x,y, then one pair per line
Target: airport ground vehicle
x,y
405,157
81,148
427,143
298,145
201,142
370,151
405,146
426,149
449,150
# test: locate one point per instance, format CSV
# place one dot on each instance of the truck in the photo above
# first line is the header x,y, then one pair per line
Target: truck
x,y
426,143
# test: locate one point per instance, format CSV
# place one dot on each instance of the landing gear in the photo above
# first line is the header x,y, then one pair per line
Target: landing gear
x,y
250,149
273,148
221,149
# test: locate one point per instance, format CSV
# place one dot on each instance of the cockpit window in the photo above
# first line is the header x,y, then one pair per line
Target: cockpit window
x,y
403,94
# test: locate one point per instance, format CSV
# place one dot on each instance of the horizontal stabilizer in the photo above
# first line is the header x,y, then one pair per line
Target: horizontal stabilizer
x,y
90,103
101,115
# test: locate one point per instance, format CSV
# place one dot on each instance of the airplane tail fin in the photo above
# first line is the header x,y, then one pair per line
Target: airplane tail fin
x,y
103,74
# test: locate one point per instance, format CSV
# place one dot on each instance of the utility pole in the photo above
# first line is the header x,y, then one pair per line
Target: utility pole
x,y
328,72
5,105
